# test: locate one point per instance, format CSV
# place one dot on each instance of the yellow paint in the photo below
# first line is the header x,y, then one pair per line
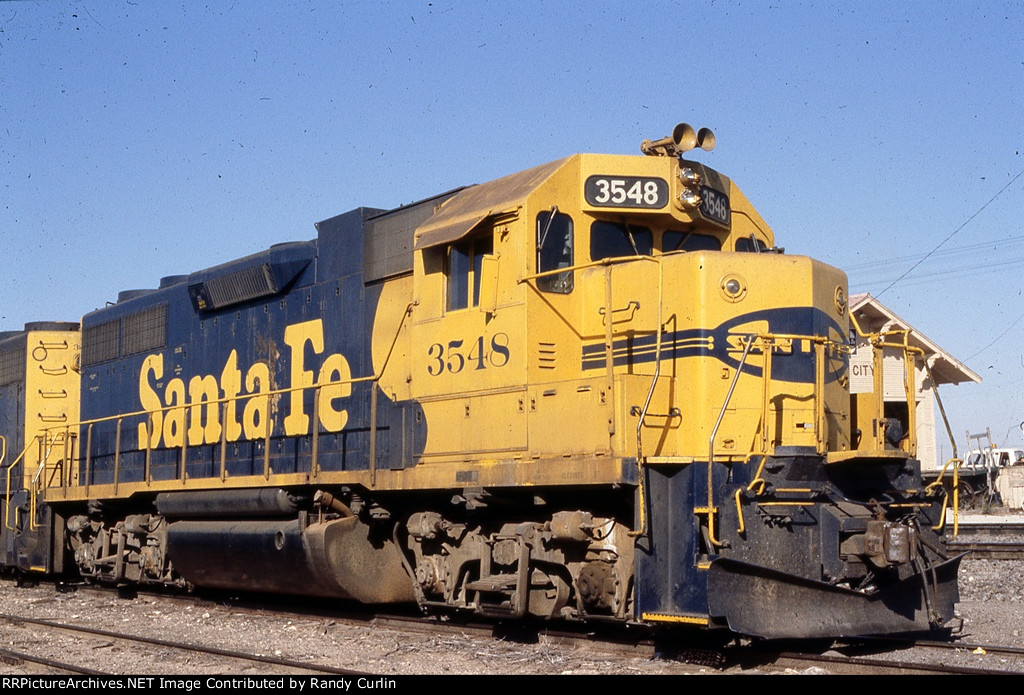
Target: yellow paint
x,y
196,410
256,420
203,389
666,618
295,337
542,376
152,367
52,388
336,373
174,423
231,383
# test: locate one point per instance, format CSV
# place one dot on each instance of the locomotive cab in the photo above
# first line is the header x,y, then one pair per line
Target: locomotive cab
x,y
625,292
623,321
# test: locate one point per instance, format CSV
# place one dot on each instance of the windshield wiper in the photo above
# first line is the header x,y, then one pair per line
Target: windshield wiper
x,y
547,227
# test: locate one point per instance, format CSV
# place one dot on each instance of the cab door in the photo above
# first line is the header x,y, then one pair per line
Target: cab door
x,y
469,364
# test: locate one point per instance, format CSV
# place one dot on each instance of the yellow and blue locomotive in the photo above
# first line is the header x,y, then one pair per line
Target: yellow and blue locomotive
x,y
593,390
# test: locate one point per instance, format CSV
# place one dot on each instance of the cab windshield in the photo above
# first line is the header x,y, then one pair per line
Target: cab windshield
x,y
622,239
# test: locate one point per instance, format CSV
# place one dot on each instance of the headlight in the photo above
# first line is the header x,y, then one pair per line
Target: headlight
x,y
733,287
689,177
689,200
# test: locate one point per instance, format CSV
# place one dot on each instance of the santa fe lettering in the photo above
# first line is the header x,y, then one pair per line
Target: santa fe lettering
x,y
195,411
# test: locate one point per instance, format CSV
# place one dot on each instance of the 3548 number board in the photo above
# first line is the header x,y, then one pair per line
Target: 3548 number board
x,y
626,191
650,193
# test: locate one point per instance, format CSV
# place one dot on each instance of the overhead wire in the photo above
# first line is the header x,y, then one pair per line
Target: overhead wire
x,y
996,339
987,269
999,245
951,234
958,272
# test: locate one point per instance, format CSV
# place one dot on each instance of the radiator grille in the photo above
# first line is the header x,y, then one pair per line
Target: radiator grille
x,y
145,330
12,362
101,342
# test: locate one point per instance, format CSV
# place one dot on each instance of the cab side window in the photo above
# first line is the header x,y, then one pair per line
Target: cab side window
x,y
463,271
554,251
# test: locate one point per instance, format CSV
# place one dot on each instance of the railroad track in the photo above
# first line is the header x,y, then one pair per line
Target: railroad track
x,y
15,658
918,661
990,540
990,529
403,638
613,641
39,631
305,634
989,550
955,656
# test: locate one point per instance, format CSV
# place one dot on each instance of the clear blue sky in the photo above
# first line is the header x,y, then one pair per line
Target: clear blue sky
x,y
141,139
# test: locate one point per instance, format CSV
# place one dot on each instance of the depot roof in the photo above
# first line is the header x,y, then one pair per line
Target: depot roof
x,y
873,315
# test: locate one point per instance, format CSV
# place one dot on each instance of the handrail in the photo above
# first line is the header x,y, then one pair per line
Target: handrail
x,y
373,393
222,404
38,478
10,469
878,343
956,456
657,366
937,484
614,260
650,392
768,340
909,387
714,433
184,407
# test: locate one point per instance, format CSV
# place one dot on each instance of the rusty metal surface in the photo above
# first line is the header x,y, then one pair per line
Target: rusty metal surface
x,y
774,605
333,558
261,502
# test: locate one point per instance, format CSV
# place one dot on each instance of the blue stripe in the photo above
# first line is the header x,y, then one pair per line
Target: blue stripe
x,y
796,367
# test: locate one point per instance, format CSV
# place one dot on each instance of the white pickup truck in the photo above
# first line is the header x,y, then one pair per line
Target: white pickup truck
x,y
984,459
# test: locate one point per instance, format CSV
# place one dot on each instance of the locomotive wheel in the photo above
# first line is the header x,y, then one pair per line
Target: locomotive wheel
x,y
549,591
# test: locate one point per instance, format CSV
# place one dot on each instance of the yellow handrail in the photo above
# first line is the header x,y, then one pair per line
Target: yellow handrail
x,y
878,343
316,388
38,480
768,340
955,463
650,393
10,469
710,509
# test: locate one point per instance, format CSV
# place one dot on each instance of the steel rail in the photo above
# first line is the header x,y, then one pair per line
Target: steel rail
x,y
213,651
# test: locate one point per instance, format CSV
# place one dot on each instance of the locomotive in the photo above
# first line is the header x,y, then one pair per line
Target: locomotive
x,y
594,390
